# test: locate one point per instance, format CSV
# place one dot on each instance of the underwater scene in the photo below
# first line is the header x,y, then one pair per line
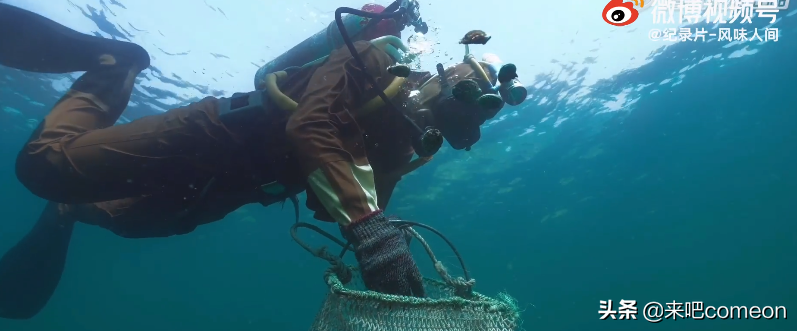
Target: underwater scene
x,y
411,165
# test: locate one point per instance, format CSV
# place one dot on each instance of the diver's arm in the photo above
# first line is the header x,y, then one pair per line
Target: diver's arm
x,y
385,183
327,138
329,146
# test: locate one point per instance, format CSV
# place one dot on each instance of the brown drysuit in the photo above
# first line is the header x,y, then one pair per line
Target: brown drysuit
x,y
135,178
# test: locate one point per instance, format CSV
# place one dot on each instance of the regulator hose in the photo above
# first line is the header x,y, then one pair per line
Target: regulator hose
x,y
426,142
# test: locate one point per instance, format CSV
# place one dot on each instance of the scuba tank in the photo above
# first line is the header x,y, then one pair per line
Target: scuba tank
x,y
325,41
318,45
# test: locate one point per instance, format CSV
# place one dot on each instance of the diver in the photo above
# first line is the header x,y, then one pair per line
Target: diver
x,y
320,128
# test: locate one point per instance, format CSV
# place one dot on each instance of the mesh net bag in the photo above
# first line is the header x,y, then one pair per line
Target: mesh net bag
x,y
351,307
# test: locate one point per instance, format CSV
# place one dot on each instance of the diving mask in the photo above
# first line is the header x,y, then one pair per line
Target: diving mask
x,y
509,87
460,110
479,94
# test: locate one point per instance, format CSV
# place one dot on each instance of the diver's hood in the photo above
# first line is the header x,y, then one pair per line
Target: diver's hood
x,y
461,109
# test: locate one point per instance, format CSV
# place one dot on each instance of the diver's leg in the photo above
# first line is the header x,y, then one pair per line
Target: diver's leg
x,y
68,162
31,42
94,101
159,215
30,271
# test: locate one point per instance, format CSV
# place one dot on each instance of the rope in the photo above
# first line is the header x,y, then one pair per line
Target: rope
x,y
463,286
337,266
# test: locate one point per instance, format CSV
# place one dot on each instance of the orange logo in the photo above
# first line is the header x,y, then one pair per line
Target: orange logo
x,y
619,13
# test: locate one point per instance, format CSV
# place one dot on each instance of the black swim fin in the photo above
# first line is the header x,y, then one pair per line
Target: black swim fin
x,y
31,42
30,271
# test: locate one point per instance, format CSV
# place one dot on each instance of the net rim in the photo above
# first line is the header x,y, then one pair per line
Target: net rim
x,y
479,300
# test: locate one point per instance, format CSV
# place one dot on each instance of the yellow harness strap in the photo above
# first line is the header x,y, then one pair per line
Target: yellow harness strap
x,y
288,104
282,100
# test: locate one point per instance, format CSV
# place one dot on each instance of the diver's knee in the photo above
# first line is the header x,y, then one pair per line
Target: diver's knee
x,y
41,177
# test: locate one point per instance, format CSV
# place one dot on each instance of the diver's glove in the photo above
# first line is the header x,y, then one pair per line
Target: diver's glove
x,y
384,256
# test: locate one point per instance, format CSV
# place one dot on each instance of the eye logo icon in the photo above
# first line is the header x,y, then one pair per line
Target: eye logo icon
x,y
619,13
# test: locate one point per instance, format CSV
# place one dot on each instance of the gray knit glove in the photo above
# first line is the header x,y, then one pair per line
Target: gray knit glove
x,y
384,256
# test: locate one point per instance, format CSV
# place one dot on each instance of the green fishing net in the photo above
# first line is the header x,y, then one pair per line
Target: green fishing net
x,y
450,304
352,308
